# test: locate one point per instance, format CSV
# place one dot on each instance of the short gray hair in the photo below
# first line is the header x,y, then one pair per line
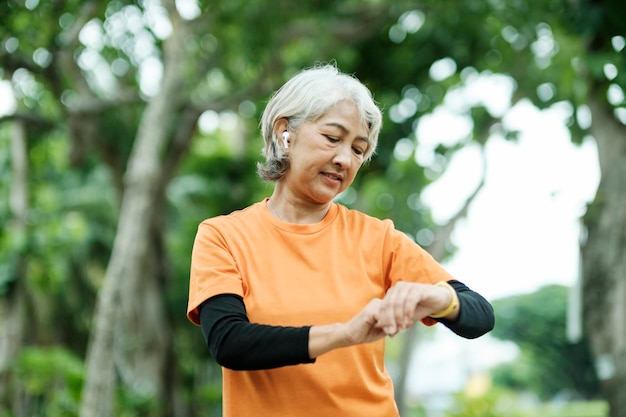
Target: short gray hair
x,y
306,97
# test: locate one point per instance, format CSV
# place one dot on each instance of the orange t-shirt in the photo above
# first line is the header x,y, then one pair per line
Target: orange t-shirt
x,y
307,274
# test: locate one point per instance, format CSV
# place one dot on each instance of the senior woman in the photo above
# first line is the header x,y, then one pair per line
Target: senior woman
x,y
296,293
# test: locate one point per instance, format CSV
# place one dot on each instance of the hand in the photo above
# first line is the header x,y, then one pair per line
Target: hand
x,y
363,328
407,302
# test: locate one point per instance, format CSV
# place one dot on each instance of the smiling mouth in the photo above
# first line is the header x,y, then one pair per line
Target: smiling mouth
x,y
332,176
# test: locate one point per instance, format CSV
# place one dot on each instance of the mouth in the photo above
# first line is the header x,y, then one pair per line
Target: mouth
x,y
333,176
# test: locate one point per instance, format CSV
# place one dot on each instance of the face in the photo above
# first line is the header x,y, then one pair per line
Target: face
x,y
326,154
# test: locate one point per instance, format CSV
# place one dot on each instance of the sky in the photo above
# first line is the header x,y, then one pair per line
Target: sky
x,y
7,103
523,229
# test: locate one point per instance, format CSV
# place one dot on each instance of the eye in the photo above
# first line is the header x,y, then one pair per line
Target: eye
x,y
331,139
358,151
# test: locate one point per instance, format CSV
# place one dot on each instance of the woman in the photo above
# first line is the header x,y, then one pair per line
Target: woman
x,y
295,294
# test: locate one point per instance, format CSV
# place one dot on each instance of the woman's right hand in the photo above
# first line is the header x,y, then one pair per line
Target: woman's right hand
x,y
362,328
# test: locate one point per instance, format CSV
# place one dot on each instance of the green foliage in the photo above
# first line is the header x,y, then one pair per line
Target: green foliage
x,y
12,248
132,404
549,364
495,403
520,375
12,240
52,377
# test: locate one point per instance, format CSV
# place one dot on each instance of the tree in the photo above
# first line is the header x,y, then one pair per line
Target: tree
x,y
558,53
536,322
109,151
604,251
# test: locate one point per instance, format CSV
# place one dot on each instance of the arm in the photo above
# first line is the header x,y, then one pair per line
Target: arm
x,y
362,328
236,343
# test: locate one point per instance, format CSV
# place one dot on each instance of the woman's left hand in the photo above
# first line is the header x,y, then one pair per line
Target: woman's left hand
x,y
407,302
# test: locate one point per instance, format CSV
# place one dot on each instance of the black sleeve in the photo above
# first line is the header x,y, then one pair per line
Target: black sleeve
x,y
476,315
237,344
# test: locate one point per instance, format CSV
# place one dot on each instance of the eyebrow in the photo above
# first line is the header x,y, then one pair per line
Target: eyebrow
x,y
346,130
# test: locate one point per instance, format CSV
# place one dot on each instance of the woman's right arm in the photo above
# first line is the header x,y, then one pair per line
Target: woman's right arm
x,y
237,344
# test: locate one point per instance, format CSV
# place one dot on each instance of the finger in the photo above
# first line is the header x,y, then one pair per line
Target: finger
x,y
392,311
410,301
374,332
400,302
373,309
397,305
386,319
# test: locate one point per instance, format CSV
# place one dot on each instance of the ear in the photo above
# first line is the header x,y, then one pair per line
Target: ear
x,y
281,125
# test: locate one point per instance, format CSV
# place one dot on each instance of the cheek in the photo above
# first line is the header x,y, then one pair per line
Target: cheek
x,y
356,165
353,171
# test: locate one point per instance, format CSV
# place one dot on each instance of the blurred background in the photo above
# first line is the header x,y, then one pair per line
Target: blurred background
x,y
124,124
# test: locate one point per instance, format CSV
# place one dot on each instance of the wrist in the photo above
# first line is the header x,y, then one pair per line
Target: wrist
x,y
324,338
452,305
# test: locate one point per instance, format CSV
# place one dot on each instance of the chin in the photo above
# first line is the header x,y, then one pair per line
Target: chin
x,y
325,199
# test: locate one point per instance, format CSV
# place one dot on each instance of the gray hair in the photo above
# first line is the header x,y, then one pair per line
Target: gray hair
x,y
306,97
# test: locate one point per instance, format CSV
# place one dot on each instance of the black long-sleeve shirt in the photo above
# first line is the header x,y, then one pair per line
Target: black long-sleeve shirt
x,y
236,343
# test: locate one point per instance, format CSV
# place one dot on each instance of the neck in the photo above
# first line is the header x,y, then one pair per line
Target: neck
x,y
290,214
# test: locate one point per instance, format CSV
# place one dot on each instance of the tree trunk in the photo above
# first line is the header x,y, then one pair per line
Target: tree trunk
x,y
130,291
13,304
604,260
143,330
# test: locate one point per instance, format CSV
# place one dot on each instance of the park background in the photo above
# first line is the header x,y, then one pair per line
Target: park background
x,y
123,124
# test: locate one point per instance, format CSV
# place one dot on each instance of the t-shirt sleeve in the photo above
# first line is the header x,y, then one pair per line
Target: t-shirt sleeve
x,y
237,344
405,260
213,270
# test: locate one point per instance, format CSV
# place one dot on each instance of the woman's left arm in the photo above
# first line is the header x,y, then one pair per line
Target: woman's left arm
x,y
475,314
465,312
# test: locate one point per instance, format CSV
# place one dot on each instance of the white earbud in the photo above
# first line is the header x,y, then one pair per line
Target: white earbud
x,y
286,139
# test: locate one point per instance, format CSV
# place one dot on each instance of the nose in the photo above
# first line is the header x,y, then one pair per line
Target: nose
x,y
342,156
